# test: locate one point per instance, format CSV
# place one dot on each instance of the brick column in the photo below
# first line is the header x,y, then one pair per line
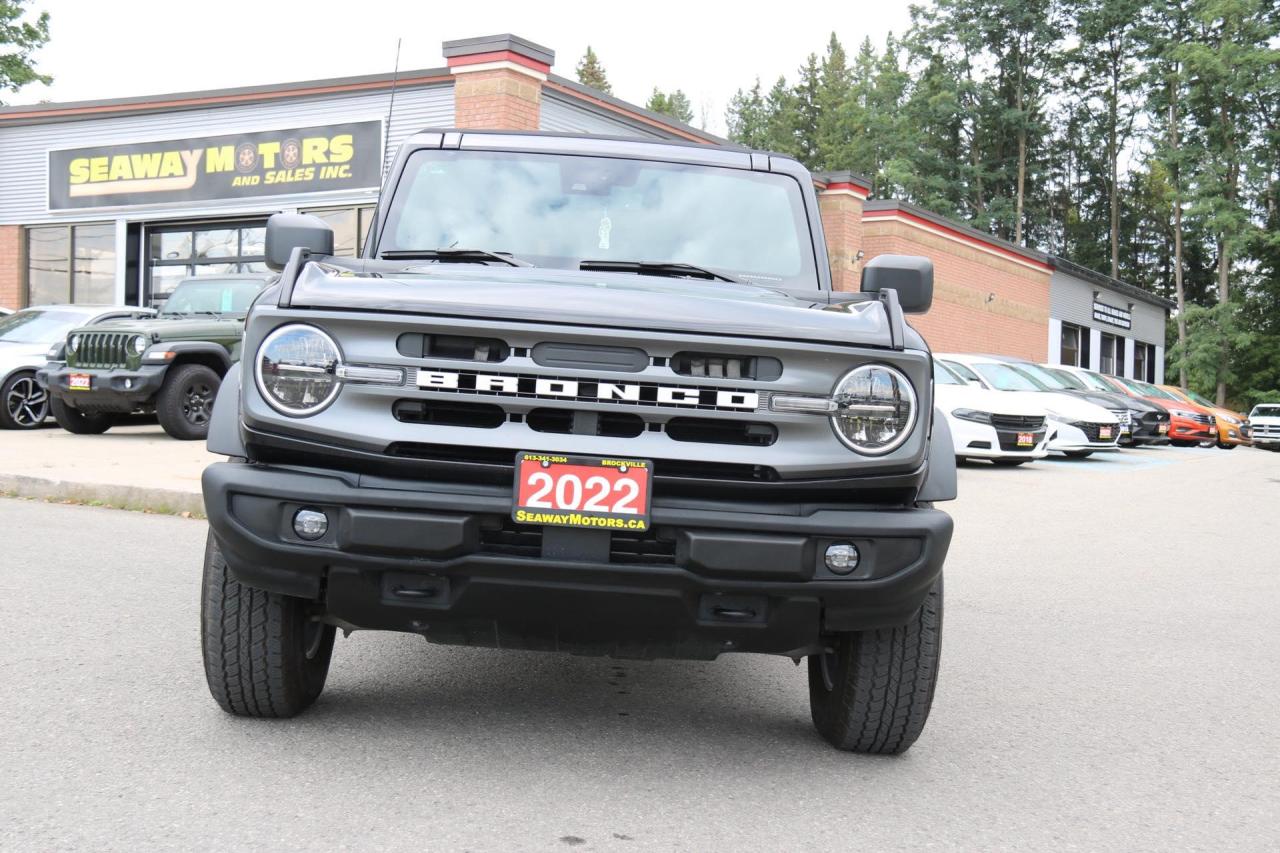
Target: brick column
x,y
11,266
497,81
840,197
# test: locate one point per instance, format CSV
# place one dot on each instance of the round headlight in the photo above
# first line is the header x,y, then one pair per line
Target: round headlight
x,y
877,409
139,344
295,370
73,343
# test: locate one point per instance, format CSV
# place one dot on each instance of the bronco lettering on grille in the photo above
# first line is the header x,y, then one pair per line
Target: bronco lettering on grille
x,y
587,390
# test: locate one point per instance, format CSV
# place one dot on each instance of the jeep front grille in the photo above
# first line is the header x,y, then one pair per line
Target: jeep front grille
x,y
101,349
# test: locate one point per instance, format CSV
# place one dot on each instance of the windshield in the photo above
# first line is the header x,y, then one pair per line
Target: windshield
x,y
1201,399
1152,391
1005,378
1265,412
943,376
1068,379
962,371
39,327
1038,374
554,210
212,296
1097,383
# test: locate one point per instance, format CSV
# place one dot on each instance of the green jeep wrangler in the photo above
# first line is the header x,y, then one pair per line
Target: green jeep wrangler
x,y
171,364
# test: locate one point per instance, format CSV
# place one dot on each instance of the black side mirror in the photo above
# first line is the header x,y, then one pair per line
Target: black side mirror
x,y
910,275
288,231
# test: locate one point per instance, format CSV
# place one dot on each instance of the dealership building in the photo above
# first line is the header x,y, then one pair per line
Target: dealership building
x,y
118,200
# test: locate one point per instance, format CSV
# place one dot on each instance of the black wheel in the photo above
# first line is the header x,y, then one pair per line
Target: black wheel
x,y
1178,442
78,422
872,691
263,654
23,403
1009,463
1077,454
1225,446
185,402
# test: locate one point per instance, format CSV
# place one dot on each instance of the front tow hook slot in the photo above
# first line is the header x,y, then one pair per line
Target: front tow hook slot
x,y
404,588
738,609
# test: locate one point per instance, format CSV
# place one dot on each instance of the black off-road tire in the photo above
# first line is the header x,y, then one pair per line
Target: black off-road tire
x,y
263,654
185,402
1077,454
78,422
873,691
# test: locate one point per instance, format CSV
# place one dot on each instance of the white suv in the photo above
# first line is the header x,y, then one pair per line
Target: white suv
x,y
1264,426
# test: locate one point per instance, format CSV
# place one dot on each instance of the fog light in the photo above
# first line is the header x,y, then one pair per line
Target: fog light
x,y
312,524
842,557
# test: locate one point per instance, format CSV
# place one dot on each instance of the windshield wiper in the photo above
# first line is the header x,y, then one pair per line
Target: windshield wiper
x,y
672,269
451,255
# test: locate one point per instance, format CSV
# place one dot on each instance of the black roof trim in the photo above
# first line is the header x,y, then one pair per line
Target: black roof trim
x,y
842,176
982,236
626,107
175,101
1131,290
498,43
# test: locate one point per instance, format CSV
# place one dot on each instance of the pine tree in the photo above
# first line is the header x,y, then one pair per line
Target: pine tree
x,y
746,120
591,73
676,105
18,40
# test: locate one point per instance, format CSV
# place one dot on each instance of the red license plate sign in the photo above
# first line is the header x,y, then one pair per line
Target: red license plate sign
x,y
1026,439
80,382
1104,433
582,491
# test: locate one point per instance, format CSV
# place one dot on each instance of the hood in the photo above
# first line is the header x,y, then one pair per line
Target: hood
x,y
952,397
194,328
596,299
1109,400
1072,408
14,355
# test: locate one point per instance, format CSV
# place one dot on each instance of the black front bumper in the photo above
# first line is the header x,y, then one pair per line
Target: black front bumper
x,y
112,390
446,561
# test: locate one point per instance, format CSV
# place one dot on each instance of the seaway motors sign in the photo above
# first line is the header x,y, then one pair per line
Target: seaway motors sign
x,y
273,162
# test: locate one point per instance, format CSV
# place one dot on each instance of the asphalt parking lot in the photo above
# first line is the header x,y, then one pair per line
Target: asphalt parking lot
x,y
1109,681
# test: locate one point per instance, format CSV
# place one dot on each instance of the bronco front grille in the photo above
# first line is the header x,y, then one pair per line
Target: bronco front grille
x,y
101,349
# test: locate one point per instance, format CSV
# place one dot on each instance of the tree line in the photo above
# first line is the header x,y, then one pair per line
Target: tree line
x,y
1140,138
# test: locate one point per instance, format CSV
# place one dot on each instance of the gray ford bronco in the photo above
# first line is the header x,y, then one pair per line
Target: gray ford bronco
x,y
589,395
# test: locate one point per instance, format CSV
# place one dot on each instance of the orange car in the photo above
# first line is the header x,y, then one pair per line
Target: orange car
x,y
1229,422
1189,423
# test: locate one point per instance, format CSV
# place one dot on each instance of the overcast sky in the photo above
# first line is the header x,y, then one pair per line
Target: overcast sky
x,y
121,48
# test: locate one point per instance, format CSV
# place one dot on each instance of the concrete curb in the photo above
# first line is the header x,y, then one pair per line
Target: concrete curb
x,y
164,501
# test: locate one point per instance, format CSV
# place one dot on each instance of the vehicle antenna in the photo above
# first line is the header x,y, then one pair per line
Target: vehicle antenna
x,y
386,133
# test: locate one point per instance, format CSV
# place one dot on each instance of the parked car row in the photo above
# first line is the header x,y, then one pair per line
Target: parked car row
x,y
89,365
1010,411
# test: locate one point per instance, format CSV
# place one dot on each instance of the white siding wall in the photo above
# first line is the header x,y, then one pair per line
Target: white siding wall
x,y
24,151
565,116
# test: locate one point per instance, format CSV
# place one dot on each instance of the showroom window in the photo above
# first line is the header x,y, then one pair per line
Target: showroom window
x,y
1107,358
175,252
350,227
71,263
1144,361
1070,352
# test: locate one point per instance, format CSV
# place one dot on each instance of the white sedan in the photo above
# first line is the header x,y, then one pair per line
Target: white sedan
x,y
25,339
1077,428
1004,428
